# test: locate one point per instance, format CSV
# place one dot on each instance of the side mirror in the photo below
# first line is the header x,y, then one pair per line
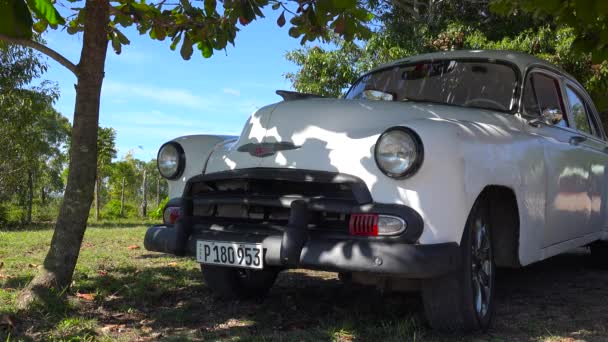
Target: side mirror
x,y
377,95
552,116
549,116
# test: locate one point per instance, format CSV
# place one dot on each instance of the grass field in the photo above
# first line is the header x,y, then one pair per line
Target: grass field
x,y
122,292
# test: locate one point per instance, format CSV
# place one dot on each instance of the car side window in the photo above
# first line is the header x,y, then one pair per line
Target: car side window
x,y
542,92
580,113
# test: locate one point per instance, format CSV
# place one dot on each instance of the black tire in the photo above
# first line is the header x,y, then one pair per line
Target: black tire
x,y
345,277
450,302
599,254
238,283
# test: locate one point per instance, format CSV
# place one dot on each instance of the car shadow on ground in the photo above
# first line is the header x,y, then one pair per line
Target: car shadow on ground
x,y
563,297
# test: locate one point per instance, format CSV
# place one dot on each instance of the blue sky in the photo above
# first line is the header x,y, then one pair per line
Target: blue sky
x,y
150,95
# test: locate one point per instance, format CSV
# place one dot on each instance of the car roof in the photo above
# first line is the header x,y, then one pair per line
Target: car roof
x,y
521,60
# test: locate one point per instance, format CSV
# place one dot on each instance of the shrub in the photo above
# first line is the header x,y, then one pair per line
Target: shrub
x,y
112,210
157,214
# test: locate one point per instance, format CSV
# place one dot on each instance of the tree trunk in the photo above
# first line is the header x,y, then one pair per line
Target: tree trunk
x,y
58,268
144,202
96,195
122,198
30,197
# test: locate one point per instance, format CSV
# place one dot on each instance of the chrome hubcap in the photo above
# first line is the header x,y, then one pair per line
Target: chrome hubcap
x,y
481,267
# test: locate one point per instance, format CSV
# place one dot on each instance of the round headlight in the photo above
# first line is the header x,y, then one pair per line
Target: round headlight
x,y
171,160
399,152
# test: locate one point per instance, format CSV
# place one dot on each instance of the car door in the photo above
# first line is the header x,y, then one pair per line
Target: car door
x,y
567,204
594,147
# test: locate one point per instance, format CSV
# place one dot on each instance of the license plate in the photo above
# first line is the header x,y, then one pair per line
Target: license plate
x,y
247,255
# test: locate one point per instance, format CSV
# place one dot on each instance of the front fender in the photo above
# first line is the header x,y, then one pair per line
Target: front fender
x,y
197,149
462,158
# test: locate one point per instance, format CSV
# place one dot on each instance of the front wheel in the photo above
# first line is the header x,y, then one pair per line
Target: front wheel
x,y
464,300
599,254
238,283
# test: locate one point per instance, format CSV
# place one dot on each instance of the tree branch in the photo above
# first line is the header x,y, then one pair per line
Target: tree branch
x,y
44,49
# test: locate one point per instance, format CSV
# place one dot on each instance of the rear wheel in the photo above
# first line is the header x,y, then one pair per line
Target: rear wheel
x,y
464,300
238,283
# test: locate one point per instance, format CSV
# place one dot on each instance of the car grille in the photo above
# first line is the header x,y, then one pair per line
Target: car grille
x,y
263,196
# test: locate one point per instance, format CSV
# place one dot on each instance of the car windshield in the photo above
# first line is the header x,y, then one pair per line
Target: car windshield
x,y
452,82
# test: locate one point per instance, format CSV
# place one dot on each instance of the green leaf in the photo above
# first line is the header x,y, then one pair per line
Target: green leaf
x,y
116,45
44,10
584,12
15,19
175,41
551,6
294,32
210,6
344,4
281,20
601,7
122,19
40,26
72,29
599,55
206,50
186,50
186,5
276,6
122,38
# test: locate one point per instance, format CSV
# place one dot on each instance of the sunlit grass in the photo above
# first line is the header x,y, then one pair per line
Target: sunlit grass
x,y
123,293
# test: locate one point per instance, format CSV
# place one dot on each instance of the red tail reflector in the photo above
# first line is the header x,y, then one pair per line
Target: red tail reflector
x,y
363,224
171,215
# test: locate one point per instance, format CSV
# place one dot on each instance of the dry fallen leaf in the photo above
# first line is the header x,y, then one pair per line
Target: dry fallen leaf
x,y
172,264
133,247
86,296
111,297
7,321
112,327
32,265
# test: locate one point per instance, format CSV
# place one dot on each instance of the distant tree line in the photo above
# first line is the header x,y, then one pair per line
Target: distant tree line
x,y
34,145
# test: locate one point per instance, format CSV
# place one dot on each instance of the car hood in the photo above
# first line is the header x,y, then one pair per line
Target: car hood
x,y
332,135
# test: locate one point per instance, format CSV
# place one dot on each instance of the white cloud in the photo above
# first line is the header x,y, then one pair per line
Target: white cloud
x,y
232,91
172,96
160,124
154,118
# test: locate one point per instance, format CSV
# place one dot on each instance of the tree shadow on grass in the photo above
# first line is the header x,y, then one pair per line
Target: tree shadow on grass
x,y
119,224
298,303
559,298
39,226
17,227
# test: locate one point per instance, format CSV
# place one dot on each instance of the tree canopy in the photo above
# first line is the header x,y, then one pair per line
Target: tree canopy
x,y
413,28
208,27
588,20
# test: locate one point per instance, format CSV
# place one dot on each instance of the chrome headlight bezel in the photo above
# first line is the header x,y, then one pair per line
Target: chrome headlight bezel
x,y
418,148
180,156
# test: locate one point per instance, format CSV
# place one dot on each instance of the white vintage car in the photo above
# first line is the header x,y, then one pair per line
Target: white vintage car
x,y
430,173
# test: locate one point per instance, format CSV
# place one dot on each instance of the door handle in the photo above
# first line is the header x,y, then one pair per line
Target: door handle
x,y
577,139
